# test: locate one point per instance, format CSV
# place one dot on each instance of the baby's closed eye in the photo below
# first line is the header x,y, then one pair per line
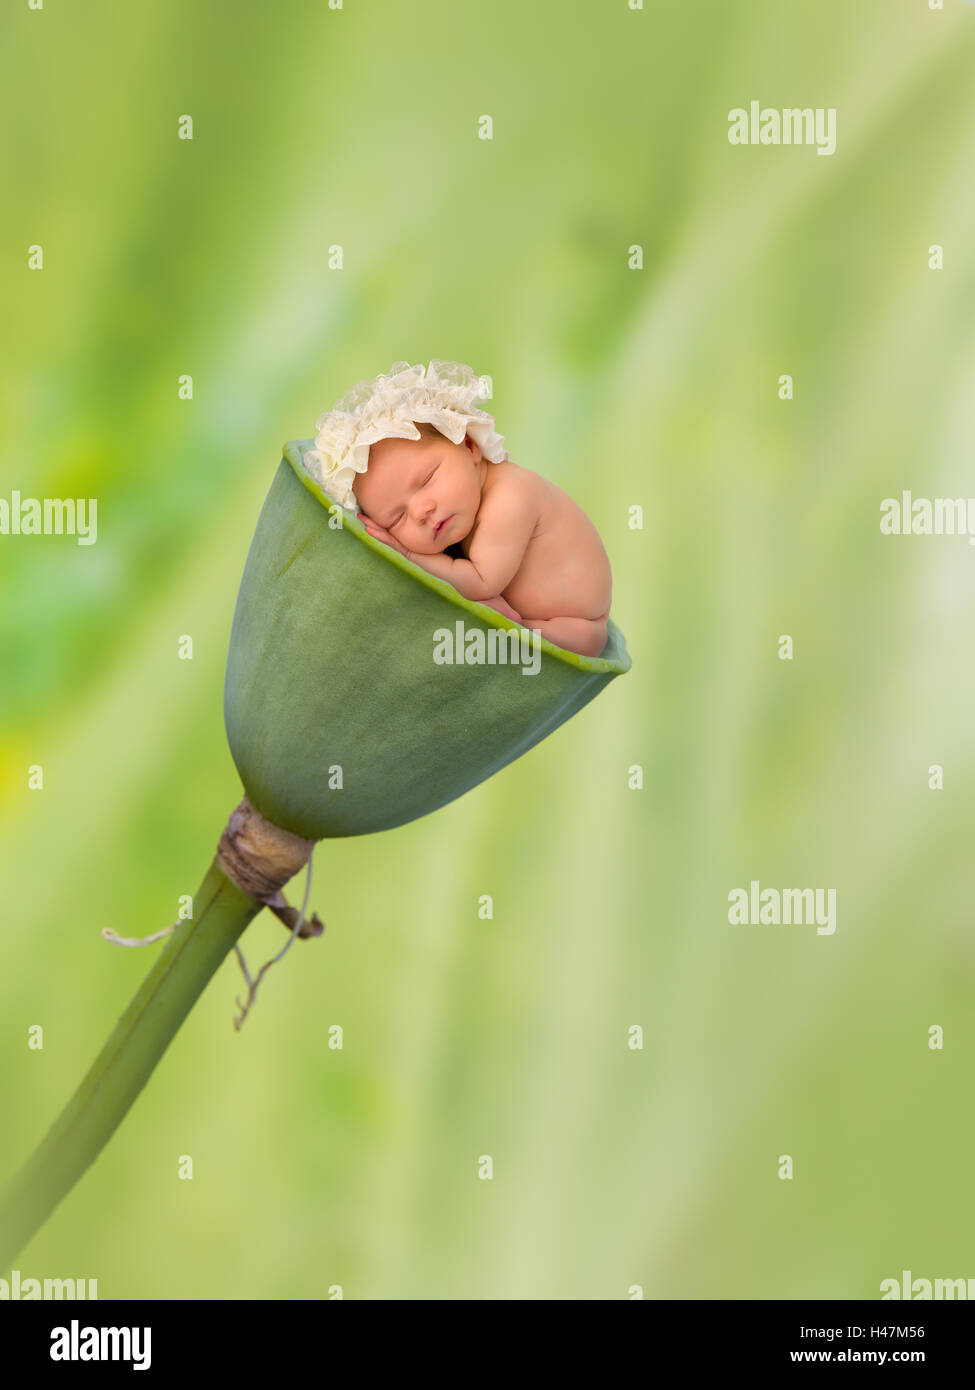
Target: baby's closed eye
x,y
402,512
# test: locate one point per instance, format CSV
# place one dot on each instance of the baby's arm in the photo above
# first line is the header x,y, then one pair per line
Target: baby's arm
x,y
505,524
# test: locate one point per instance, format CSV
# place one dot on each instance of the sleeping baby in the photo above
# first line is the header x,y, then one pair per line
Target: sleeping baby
x,y
527,549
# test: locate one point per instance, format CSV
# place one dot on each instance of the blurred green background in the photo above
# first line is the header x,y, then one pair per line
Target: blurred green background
x,y
657,387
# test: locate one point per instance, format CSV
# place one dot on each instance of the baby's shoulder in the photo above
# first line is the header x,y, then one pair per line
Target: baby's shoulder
x,y
509,491
509,479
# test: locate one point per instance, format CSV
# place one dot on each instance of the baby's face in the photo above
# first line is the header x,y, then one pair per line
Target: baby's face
x,y
425,491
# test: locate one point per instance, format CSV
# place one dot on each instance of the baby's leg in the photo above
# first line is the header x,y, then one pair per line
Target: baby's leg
x,y
585,636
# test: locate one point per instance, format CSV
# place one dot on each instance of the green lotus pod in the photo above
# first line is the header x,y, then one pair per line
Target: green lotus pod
x,y
340,719
341,722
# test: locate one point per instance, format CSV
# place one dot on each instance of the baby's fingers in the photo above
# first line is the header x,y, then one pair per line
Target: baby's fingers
x,y
374,529
380,533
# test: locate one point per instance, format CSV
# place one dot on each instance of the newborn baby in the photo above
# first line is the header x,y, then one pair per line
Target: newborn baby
x,y
530,551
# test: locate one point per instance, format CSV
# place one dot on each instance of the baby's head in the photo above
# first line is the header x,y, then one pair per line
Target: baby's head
x,y
413,486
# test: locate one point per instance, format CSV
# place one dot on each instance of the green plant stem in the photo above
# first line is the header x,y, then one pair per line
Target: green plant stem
x,y
186,963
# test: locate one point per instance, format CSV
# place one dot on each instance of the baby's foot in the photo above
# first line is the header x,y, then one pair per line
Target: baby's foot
x,y
504,608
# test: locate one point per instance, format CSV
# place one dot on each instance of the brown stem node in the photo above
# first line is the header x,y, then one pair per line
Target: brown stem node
x,y
259,856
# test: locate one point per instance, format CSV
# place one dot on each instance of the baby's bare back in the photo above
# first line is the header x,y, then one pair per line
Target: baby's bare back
x,y
565,571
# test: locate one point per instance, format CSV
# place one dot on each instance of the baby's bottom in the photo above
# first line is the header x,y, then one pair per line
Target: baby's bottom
x,y
584,636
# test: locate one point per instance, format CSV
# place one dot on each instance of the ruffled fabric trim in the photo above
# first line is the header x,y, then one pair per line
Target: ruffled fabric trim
x,y
442,395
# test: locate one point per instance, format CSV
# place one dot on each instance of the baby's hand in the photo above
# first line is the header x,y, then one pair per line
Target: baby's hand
x,y
381,534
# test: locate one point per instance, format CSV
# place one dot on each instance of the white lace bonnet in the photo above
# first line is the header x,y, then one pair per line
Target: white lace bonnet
x,y
442,395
